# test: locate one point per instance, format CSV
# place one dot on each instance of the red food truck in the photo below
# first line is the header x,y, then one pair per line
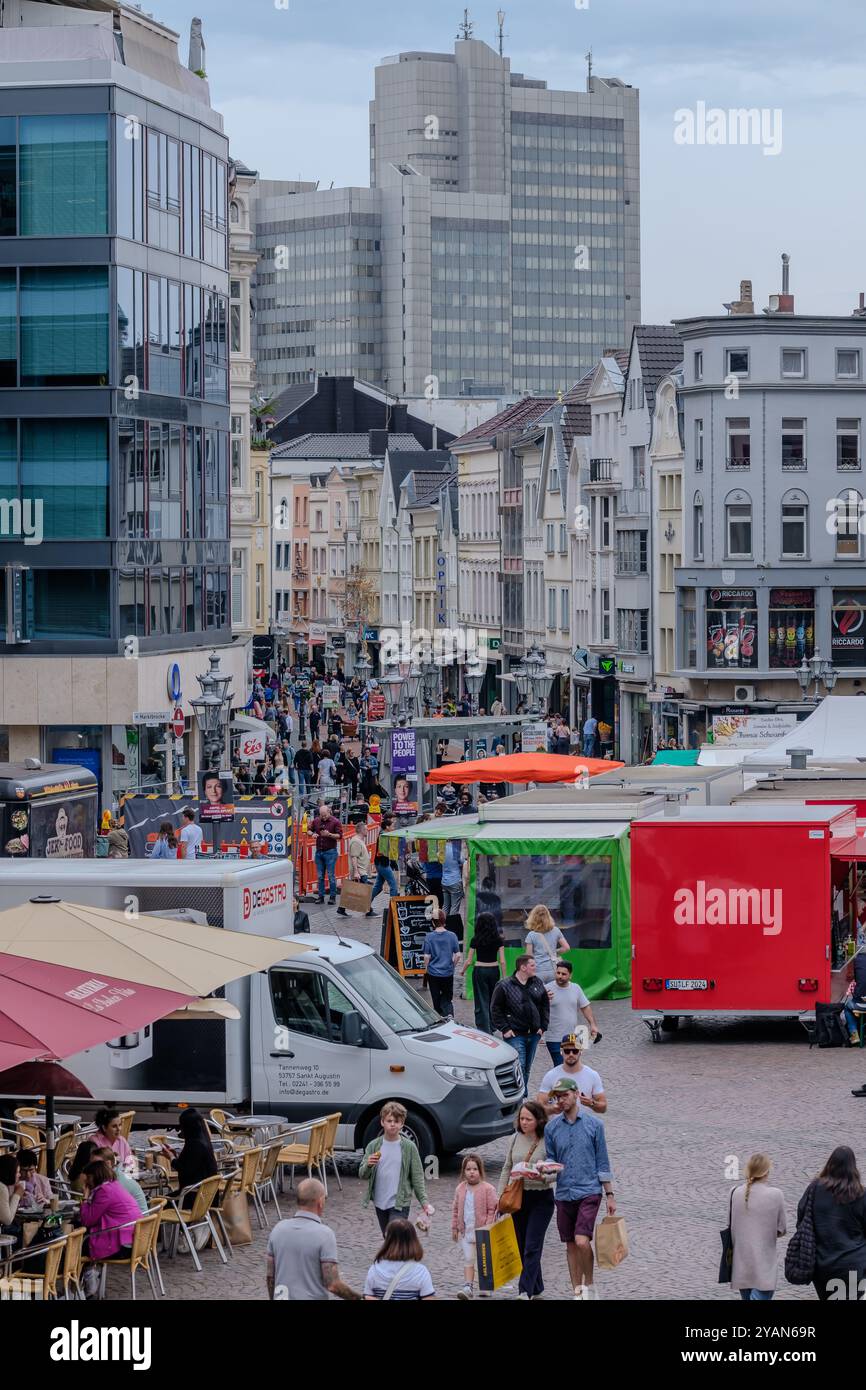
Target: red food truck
x,y
740,910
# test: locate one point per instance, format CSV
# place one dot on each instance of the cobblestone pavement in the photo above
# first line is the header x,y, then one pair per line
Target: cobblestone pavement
x,y
681,1114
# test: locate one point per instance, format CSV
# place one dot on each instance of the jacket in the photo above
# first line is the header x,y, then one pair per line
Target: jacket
x,y
485,1200
109,1206
517,1008
411,1173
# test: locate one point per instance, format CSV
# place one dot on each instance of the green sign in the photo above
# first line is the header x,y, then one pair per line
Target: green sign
x,y
494,643
607,664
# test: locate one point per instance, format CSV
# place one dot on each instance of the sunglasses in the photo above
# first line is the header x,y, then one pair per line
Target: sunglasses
x,y
571,1052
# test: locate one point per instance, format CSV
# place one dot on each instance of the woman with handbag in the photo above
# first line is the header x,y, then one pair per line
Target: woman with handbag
x,y
757,1221
838,1218
528,1200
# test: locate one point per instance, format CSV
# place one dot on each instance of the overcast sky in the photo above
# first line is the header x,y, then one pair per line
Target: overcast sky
x,y
293,85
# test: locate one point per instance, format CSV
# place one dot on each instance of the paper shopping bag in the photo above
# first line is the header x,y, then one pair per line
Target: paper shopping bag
x,y
611,1242
499,1261
355,897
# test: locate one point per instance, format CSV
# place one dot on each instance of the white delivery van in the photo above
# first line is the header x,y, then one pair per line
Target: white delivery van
x,y
335,1028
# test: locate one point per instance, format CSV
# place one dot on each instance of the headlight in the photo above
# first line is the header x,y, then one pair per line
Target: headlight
x,y
464,1076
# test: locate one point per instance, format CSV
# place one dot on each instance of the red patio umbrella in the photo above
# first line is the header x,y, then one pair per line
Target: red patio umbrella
x,y
42,1079
523,767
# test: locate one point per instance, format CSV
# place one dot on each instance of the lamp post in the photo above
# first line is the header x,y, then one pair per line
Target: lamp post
x,y
330,658
473,679
211,713
411,685
818,670
430,683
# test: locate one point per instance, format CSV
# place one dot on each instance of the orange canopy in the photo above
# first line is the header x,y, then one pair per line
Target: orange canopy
x,y
523,767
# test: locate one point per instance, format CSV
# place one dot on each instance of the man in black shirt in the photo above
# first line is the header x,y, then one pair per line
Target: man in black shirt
x,y
303,766
520,1010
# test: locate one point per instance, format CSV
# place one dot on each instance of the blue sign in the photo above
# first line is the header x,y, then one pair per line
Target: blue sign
x,y
91,758
371,634
173,683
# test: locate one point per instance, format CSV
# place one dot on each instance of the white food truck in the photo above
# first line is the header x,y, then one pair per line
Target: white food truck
x,y
335,1028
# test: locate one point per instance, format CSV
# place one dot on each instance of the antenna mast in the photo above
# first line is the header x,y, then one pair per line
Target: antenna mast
x,y
500,16
466,28
588,57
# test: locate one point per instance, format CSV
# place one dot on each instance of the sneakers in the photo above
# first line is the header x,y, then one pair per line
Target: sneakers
x,y
466,1293
861,1091
341,912
371,913
331,902
320,900
524,1296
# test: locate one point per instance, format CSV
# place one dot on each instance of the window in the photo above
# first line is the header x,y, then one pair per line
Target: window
x,y
793,362
260,589
563,538
792,626
689,631
847,443
795,526
237,587
64,463
631,556
632,629
847,521
8,329
698,527
63,175
605,615
71,603
732,626
638,466
737,361
738,529
564,609
848,362
699,446
8,191
237,446
605,523
794,444
699,366
739,442
304,1001
64,326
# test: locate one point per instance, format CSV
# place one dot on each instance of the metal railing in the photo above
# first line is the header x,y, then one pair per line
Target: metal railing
x,y
633,502
738,464
601,470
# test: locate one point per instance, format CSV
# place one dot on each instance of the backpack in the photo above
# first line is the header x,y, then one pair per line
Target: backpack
x,y
829,1030
801,1255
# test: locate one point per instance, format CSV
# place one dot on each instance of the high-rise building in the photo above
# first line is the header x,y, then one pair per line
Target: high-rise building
x,y
114,415
497,249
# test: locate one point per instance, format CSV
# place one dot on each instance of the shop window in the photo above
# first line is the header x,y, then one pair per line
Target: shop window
x,y
732,628
577,891
792,626
848,630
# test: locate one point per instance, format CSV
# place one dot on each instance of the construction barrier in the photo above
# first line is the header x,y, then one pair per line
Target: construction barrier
x,y
304,857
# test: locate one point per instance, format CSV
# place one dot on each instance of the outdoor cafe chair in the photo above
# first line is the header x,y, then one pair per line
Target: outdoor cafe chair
x,y
332,1122
263,1182
142,1252
221,1120
196,1218
73,1261
36,1284
307,1155
63,1146
125,1119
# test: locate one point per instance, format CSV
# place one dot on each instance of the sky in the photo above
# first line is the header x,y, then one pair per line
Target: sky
x,y
293,79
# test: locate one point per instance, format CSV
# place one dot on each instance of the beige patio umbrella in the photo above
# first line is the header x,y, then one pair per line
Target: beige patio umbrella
x,y
155,951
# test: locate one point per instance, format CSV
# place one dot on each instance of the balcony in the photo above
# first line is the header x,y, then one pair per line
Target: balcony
x,y
601,470
793,465
848,465
633,502
738,465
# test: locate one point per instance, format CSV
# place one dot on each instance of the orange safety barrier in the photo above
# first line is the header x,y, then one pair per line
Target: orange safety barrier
x,y
304,857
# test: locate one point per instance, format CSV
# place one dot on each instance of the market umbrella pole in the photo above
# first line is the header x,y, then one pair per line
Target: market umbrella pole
x,y
49,1136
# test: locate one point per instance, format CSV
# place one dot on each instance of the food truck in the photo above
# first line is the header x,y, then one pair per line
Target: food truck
x,y
47,810
740,910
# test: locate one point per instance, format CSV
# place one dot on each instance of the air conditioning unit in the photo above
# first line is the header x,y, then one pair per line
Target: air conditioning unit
x,y
744,694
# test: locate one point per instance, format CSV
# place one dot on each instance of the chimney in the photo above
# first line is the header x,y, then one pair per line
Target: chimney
x,y
378,443
782,303
860,311
343,390
745,304
799,758
400,419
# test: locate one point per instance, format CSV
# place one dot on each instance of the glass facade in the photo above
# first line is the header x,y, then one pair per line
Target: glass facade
x,y
62,183
568,244
170,194
470,304
64,466
64,326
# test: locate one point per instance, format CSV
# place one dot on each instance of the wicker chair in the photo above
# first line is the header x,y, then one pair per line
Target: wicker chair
x,y
38,1284
263,1182
307,1155
195,1218
73,1261
333,1123
142,1251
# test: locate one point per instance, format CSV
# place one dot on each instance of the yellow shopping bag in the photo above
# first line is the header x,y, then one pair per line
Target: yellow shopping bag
x,y
499,1261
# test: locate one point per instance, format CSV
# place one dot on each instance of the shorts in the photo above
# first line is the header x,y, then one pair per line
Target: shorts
x,y
468,1245
577,1218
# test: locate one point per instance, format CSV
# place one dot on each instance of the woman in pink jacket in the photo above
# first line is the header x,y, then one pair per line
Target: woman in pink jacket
x,y
474,1206
109,1212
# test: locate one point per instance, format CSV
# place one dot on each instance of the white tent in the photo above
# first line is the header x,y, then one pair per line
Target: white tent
x,y
835,732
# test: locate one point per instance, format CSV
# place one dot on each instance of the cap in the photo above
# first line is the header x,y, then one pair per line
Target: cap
x,y
578,1039
565,1083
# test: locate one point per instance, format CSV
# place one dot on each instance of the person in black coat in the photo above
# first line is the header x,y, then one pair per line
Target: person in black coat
x,y
520,1010
196,1160
839,1219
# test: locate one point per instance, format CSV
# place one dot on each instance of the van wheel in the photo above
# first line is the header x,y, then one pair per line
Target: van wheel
x,y
670,1023
416,1128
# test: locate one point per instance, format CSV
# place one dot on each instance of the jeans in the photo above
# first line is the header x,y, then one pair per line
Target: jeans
x,y
442,994
485,978
851,1020
452,896
756,1295
530,1228
326,863
588,746
524,1045
555,1050
303,778
392,1214
384,876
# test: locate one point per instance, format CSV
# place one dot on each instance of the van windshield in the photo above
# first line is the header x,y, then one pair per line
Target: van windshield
x,y
388,995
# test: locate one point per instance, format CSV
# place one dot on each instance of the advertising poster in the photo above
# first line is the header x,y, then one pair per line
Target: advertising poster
x,y
533,738
216,794
848,643
257,820
63,830
750,730
404,772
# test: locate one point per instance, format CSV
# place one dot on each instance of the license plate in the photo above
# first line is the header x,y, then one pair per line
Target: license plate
x,y
685,984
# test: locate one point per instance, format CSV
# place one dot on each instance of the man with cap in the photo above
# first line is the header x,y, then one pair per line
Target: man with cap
x,y
575,1139
589,1084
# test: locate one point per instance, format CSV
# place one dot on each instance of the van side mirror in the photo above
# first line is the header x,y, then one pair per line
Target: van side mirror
x,y
353,1030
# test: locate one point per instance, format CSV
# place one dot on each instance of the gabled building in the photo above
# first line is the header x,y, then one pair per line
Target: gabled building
x,y
666,540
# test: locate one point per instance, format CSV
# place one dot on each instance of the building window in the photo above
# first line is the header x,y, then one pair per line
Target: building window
x,y
739,442
563,610
260,590
63,175
848,363
563,538
699,446
794,444
737,361
237,446
237,587
605,615
846,521
698,527
8,329
71,604
732,626
699,366
633,629
605,523
847,444
792,626
638,466
8,182
259,496
631,555
794,362
795,526
64,465
738,529
64,326
689,631
548,538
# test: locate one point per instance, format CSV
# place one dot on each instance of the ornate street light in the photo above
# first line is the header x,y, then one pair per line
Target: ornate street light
x,y
473,678
411,685
211,710
363,667
430,679
330,658
391,683
818,670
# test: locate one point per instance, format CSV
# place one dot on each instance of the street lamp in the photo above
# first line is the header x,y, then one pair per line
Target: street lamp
x,y
473,678
430,679
211,710
363,667
391,683
818,670
330,658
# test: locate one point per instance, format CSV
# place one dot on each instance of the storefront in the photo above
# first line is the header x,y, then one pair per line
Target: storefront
x,y
732,629
848,634
791,634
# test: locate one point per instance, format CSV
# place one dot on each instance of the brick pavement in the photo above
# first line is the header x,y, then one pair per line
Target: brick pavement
x,y
681,1113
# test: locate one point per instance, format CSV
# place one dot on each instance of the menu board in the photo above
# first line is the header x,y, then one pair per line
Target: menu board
x,y
406,926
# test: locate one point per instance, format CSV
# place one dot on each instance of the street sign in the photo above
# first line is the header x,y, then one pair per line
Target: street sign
x,y
494,643
178,722
252,748
607,664
151,716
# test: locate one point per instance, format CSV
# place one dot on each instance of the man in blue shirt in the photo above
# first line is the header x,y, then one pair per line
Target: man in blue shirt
x,y
575,1138
441,954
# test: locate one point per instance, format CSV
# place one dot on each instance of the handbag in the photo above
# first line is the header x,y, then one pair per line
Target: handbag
x,y
727,1261
512,1195
235,1212
801,1255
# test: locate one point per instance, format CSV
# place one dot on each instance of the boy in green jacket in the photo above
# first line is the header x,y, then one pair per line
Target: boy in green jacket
x,y
393,1169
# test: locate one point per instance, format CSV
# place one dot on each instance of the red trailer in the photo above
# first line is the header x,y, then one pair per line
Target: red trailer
x,y
736,910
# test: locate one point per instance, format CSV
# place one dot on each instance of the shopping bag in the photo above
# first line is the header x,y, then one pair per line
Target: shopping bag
x,y
499,1261
354,896
611,1242
235,1212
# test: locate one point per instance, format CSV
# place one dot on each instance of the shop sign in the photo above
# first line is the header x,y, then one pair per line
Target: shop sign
x,y
607,665
848,641
371,634
750,730
725,596
533,738
627,668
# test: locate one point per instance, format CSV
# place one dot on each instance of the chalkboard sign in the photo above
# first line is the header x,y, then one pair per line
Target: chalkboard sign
x,y
406,926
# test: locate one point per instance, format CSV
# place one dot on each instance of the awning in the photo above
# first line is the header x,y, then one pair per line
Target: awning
x,y
245,724
850,848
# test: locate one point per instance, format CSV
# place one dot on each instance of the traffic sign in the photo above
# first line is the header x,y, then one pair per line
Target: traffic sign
x,y
148,716
178,722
